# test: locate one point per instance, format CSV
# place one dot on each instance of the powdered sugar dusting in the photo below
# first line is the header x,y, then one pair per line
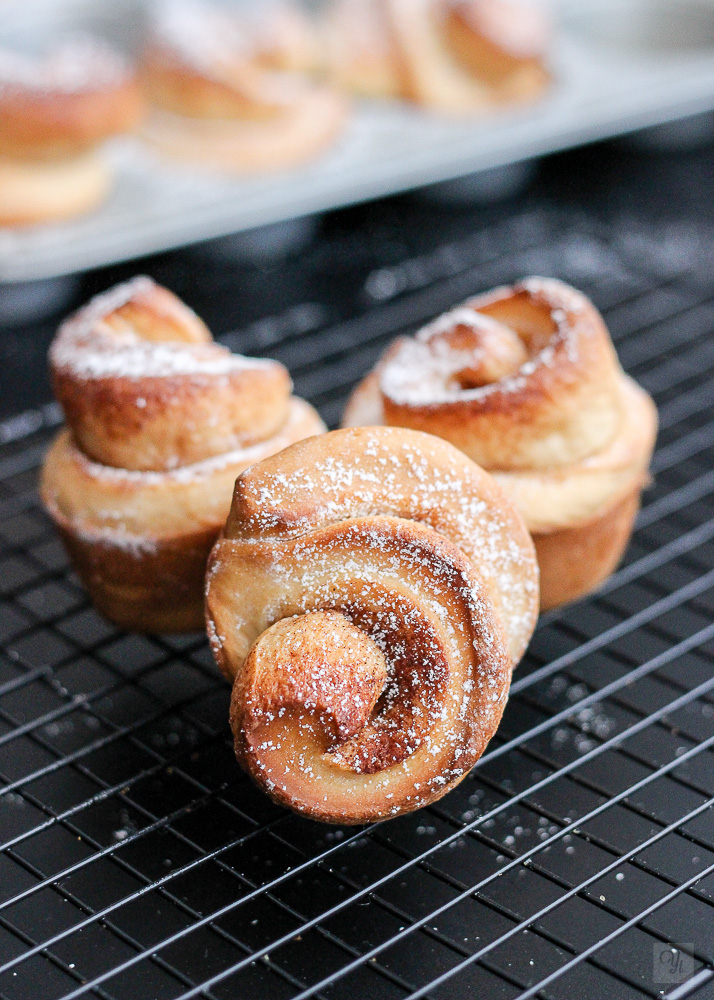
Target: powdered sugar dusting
x,y
201,34
425,369
138,546
76,65
421,370
419,601
400,474
126,357
219,44
88,348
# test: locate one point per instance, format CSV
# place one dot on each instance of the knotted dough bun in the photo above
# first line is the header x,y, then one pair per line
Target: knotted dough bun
x,y
231,88
368,597
525,380
161,420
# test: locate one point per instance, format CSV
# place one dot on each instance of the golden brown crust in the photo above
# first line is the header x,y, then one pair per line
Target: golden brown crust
x,y
369,652
54,111
204,60
283,37
148,588
55,126
575,561
558,407
566,434
140,541
277,143
362,51
140,522
143,386
402,474
176,86
572,495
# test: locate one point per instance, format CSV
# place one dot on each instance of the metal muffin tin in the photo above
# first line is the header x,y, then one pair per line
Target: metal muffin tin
x,y
618,66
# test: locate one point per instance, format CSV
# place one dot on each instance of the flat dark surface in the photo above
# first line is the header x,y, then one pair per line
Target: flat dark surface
x,y
137,862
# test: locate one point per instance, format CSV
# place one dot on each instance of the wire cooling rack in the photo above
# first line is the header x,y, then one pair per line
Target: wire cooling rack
x,y
577,859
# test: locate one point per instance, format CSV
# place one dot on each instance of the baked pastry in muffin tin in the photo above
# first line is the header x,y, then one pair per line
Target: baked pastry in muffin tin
x,y
454,56
233,90
56,110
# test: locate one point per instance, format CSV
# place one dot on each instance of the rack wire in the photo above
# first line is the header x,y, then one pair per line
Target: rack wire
x,y
577,859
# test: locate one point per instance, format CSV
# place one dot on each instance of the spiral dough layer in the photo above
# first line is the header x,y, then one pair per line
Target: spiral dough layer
x,y
368,598
161,421
525,381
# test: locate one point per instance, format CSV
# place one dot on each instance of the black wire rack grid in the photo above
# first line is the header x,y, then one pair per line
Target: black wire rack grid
x,y
576,860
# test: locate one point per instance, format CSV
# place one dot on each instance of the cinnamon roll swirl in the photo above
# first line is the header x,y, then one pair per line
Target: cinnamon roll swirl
x,y
161,420
525,380
368,597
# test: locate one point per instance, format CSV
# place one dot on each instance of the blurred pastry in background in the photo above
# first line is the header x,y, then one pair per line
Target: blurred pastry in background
x,y
454,56
281,36
56,110
232,89
362,50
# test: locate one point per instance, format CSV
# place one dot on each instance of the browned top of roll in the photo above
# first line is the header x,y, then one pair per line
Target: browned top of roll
x,y
454,57
495,38
144,387
395,472
523,377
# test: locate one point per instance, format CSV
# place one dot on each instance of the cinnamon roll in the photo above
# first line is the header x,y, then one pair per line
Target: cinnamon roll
x,y
161,420
231,90
525,380
55,111
454,56
368,598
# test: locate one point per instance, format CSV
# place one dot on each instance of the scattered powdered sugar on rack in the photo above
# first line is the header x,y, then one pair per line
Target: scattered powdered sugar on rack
x,y
76,65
